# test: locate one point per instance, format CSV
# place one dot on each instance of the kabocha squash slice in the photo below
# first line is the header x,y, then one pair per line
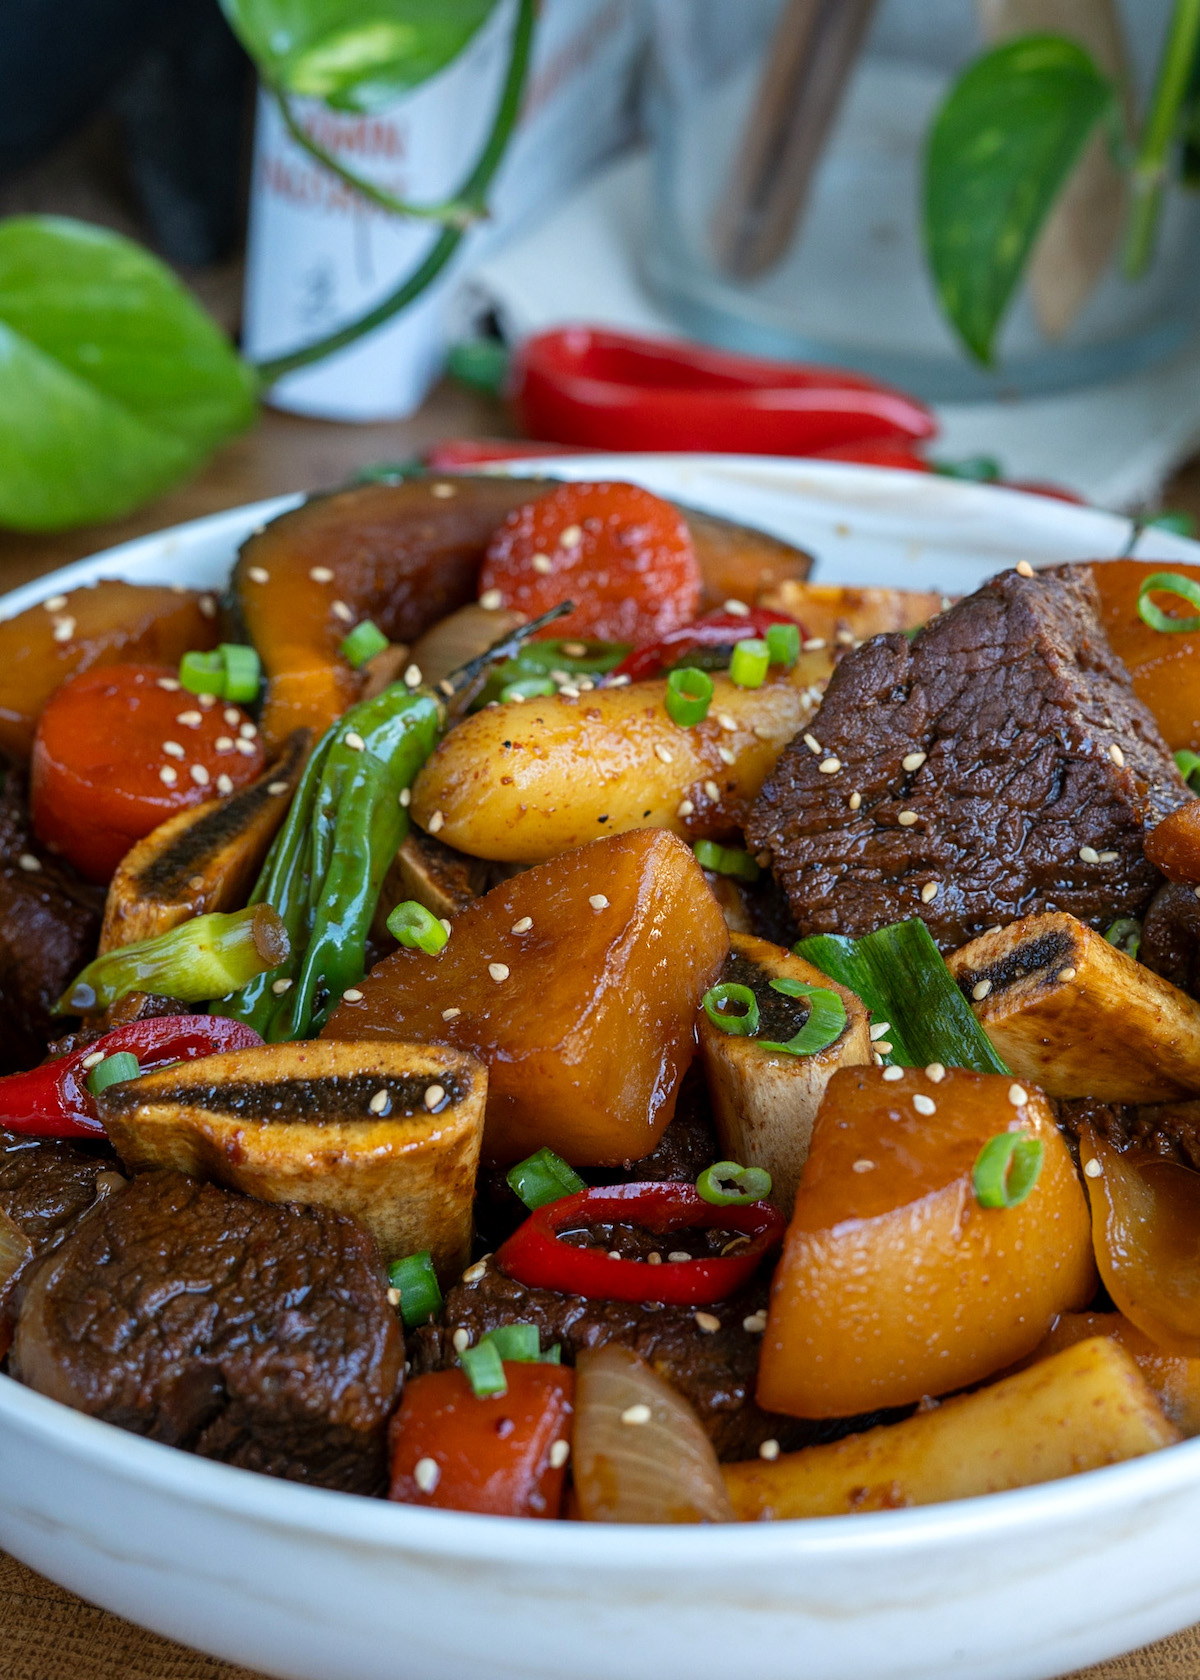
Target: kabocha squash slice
x,y
764,1102
1164,666
1071,1012
203,859
388,1133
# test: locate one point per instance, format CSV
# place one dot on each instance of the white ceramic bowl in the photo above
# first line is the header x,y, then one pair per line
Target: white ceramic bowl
x,y
323,1586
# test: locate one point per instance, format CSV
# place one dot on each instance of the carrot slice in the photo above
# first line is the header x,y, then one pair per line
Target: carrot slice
x,y
623,556
504,1454
120,749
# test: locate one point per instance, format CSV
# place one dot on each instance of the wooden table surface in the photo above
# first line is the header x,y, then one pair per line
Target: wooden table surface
x,y
47,1633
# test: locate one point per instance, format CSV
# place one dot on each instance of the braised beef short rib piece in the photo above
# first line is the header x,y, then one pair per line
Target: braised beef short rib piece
x,y
47,1184
252,1332
997,765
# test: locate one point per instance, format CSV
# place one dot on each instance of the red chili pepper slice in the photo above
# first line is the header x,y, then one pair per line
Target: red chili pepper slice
x,y
713,629
53,1100
535,1256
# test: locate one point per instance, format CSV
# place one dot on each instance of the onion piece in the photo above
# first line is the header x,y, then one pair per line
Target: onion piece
x,y
1146,1233
639,1452
16,1251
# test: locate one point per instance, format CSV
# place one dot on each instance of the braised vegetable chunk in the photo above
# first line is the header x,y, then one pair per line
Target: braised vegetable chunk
x,y
738,562
903,1272
1174,1377
998,765
577,983
504,1454
1078,1410
107,623
1163,663
389,1133
1068,1010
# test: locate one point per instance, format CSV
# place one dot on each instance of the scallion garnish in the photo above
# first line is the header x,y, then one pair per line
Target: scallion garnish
x,y
484,1369
1188,763
515,1341
1006,1169
899,975
826,1018
750,663
541,1178
783,643
689,695
716,1001
420,1295
202,673
417,928
122,1064
233,672
726,860
726,1184
363,643
527,688
1168,583
1126,935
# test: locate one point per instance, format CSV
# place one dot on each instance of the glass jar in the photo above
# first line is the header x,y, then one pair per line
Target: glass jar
x,y
851,284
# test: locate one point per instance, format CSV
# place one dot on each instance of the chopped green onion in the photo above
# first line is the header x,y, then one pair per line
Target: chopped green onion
x,y
202,673
750,663
527,688
1188,763
363,643
243,672
122,1064
726,860
484,1368
783,643
689,695
899,975
515,1341
826,1019
717,997
1126,935
552,1355
420,1296
1006,1169
1168,583
726,1184
541,1178
417,928
201,959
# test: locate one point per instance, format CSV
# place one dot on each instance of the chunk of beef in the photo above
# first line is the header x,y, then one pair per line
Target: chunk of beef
x,y
1001,758
49,927
1171,937
47,1184
1170,1131
252,1332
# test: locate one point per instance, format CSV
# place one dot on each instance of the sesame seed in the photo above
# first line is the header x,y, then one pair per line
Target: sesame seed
x,y
708,1322
195,882
434,1094
64,629
498,971
491,600
405,798
232,716
320,574
654,1258
712,791
1088,854
768,1450
763,733
277,787
190,720
1117,756
936,1072
355,741
55,603
29,863
678,1256
929,892
907,819
169,683
663,753
258,574
167,776
443,492
893,1073
1018,1096
1109,857
980,990
726,722
446,687
726,755
813,644
570,535
621,681
1024,568
863,1166
1093,1169
445,922
570,692
206,702
685,808
452,1013
199,775
876,1059
1067,973
636,1414
913,760
829,766
412,677
739,609
884,1046
393,1296
247,731
224,783
93,1059
1196,891
352,995
843,638
598,901
380,1101
542,563
461,1340
173,749
854,801
560,1452
208,607
475,1272
924,1104
523,924
437,821
880,1028
341,610
427,1474
754,1323
281,985
813,745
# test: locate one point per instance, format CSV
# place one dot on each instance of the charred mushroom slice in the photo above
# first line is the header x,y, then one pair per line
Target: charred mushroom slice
x,y
1071,1013
203,859
764,1102
388,1133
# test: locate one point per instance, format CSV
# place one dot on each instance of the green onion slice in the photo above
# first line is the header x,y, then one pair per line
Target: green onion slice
x,y
750,663
1168,583
202,673
726,1184
515,1341
783,643
1126,934
420,1296
243,672
1188,763
363,643
541,1178
826,1019
122,1064
689,695
527,688
1006,1169
899,975
417,928
485,1369
716,1000
726,860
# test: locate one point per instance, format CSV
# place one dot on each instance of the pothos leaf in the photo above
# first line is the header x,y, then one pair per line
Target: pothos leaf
x,y
1002,145
114,383
356,55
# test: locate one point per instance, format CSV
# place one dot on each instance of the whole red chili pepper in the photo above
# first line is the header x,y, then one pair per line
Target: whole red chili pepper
x,y
535,1256
53,1100
714,629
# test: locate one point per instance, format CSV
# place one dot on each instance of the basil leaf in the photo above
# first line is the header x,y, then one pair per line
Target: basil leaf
x,y
356,55
1002,145
114,383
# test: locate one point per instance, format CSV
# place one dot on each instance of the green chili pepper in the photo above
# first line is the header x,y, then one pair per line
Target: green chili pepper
x,y
726,1184
195,962
536,661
